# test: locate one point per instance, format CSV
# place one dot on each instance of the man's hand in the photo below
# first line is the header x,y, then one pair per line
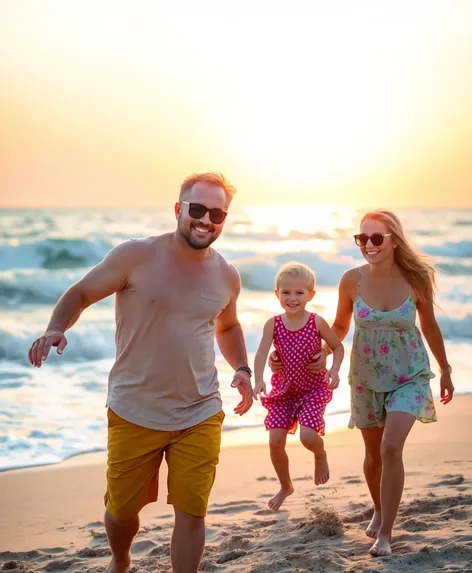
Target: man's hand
x,y
242,382
447,388
40,348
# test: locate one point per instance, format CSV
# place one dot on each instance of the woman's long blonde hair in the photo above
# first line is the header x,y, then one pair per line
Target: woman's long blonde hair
x,y
415,266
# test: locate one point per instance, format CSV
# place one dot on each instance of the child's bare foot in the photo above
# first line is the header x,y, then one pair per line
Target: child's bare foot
x,y
381,548
374,525
321,469
279,498
121,567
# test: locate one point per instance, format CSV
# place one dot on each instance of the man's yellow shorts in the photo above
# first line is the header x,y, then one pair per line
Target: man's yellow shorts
x,y
135,455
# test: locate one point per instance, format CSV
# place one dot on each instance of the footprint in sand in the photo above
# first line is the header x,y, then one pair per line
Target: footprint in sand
x,y
449,479
53,550
236,542
264,522
359,516
265,478
98,534
161,550
146,546
95,524
207,565
60,565
231,555
269,511
414,524
233,507
12,565
93,552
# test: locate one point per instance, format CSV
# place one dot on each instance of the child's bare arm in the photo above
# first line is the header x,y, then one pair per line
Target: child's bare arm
x,y
261,357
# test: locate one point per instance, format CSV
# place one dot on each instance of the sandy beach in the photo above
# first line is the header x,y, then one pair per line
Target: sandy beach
x,y
51,518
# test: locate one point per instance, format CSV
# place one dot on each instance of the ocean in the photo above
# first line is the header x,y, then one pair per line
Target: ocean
x,y
57,411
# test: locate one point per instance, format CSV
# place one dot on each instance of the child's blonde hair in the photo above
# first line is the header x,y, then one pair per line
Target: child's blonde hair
x,y
296,270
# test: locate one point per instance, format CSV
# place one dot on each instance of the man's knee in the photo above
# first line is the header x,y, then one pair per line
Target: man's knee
x,y
111,520
187,520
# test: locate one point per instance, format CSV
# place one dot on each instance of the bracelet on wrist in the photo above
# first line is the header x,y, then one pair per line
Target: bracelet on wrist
x,y
446,370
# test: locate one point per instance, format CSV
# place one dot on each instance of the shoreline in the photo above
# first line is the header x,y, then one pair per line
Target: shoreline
x,y
244,436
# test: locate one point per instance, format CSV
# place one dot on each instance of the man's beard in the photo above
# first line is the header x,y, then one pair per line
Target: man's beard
x,y
198,246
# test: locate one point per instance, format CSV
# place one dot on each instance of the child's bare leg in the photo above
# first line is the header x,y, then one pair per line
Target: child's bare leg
x,y
310,439
278,455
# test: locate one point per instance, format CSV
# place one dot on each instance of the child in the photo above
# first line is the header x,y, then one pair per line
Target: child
x,y
297,396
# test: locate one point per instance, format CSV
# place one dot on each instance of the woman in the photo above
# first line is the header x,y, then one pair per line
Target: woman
x,y
389,372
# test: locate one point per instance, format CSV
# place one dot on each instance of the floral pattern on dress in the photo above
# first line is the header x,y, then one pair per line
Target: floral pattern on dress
x,y
390,369
388,350
369,408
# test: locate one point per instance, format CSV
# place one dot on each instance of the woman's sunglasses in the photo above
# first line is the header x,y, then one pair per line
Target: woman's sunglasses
x,y
198,211
376,239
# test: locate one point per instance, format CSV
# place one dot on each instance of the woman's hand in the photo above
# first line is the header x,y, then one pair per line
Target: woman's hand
x,y
318,362
274,362
447,388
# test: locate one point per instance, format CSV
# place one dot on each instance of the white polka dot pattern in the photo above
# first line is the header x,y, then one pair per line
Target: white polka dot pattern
x,y
297,396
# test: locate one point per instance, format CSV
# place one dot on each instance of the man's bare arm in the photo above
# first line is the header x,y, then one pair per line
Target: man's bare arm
x,y
229,334
230,339
106,278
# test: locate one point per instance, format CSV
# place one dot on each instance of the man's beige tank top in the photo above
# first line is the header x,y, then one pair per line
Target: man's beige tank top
x,y
164,376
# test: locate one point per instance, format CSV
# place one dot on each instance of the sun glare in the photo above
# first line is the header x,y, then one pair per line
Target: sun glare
x,y
320,102
324,221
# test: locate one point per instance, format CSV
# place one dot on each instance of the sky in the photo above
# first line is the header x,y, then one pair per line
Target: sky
x,y
112,103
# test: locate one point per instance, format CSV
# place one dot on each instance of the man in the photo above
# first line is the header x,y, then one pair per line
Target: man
x,y
173,295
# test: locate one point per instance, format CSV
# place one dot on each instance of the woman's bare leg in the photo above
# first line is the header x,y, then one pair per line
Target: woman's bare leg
x,y
397,428
373,472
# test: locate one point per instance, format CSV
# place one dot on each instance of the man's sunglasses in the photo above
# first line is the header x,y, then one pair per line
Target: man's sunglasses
x,y
376,239
197,211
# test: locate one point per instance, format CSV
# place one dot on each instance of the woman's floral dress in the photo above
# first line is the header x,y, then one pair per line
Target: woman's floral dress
x,y
390,370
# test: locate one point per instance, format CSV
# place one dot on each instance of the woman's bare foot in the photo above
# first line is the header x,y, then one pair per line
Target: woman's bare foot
x,y
374,525
121,567
279,498
381,548
321,469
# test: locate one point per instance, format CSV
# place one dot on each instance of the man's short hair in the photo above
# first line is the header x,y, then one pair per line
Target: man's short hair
x,y
216,179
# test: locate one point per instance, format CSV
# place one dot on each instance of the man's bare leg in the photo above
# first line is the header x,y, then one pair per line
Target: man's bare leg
x,y
120,536
188,542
